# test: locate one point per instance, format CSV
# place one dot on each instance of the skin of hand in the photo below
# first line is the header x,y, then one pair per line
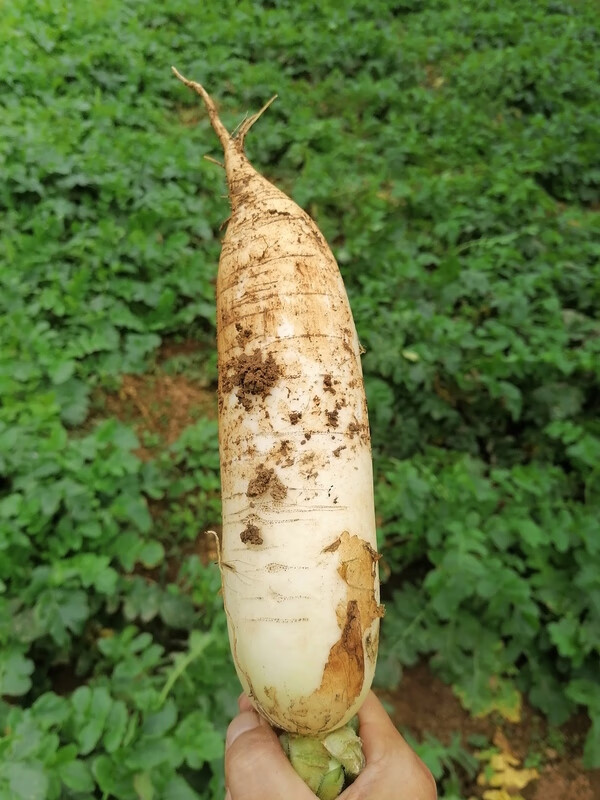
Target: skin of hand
x,y
256,767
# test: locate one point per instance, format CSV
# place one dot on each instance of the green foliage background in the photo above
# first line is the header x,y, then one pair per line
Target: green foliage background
x,y
449,152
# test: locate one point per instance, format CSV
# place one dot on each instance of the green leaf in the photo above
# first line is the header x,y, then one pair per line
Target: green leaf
x,y
92,708
104,772
76,776
151,554
531,532
116,725
135,509
126,548
142,601
591,750
199,740
564,634
27,781
148,753
178,789
177,610
142,783
51,710
61,372
15,671
73,398
158,723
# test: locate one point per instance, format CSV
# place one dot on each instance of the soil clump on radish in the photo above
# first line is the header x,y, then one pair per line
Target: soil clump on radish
x,y
253,375
265,481
251,535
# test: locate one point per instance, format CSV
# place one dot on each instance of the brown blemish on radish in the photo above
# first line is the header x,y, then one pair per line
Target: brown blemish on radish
x,y
345,667
342,681
372,644
344,672
358,569
333,546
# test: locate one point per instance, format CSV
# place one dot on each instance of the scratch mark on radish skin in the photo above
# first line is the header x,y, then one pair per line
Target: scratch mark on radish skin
x,y
251,298
264,548
279,257
280,598
275,567
276,619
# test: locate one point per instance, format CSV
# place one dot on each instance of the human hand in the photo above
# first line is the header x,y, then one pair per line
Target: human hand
x,y
256,767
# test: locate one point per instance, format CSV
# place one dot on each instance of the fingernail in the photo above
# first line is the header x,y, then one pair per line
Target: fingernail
x,y
245,721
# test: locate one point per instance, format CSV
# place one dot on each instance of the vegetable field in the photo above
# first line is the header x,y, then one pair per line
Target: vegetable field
x,y
449,152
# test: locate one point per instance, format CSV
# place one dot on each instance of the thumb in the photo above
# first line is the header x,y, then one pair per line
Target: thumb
x,y
393,768
255,765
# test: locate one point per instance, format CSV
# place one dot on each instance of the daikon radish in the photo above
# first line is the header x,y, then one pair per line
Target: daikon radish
x,y
298,553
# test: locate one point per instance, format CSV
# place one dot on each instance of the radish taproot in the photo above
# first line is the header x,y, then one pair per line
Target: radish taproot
x,y
298,553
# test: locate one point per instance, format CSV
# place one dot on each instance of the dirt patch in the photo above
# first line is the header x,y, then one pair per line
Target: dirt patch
x,y
353,428
423,704
163,405
171,349
328,384
332,418
564,782
265,481
251,535
295,417
252,375
243,334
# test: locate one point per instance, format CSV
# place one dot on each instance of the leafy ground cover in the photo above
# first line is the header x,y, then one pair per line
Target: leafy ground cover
x,y
449,154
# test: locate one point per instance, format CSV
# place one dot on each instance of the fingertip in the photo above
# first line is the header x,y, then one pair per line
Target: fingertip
x,y
244,703
372,707
385,748
245,721
255,764
378,733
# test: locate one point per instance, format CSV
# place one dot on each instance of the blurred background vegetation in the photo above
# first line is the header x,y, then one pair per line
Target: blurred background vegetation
x,y
449,153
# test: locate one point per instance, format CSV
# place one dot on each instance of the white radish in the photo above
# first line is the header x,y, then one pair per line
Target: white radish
x,y
298,554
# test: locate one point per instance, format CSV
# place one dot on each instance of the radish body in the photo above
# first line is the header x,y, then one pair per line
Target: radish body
x,y
298,556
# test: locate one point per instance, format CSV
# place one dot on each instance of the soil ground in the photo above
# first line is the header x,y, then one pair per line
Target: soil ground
x,y
162,404
423,704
